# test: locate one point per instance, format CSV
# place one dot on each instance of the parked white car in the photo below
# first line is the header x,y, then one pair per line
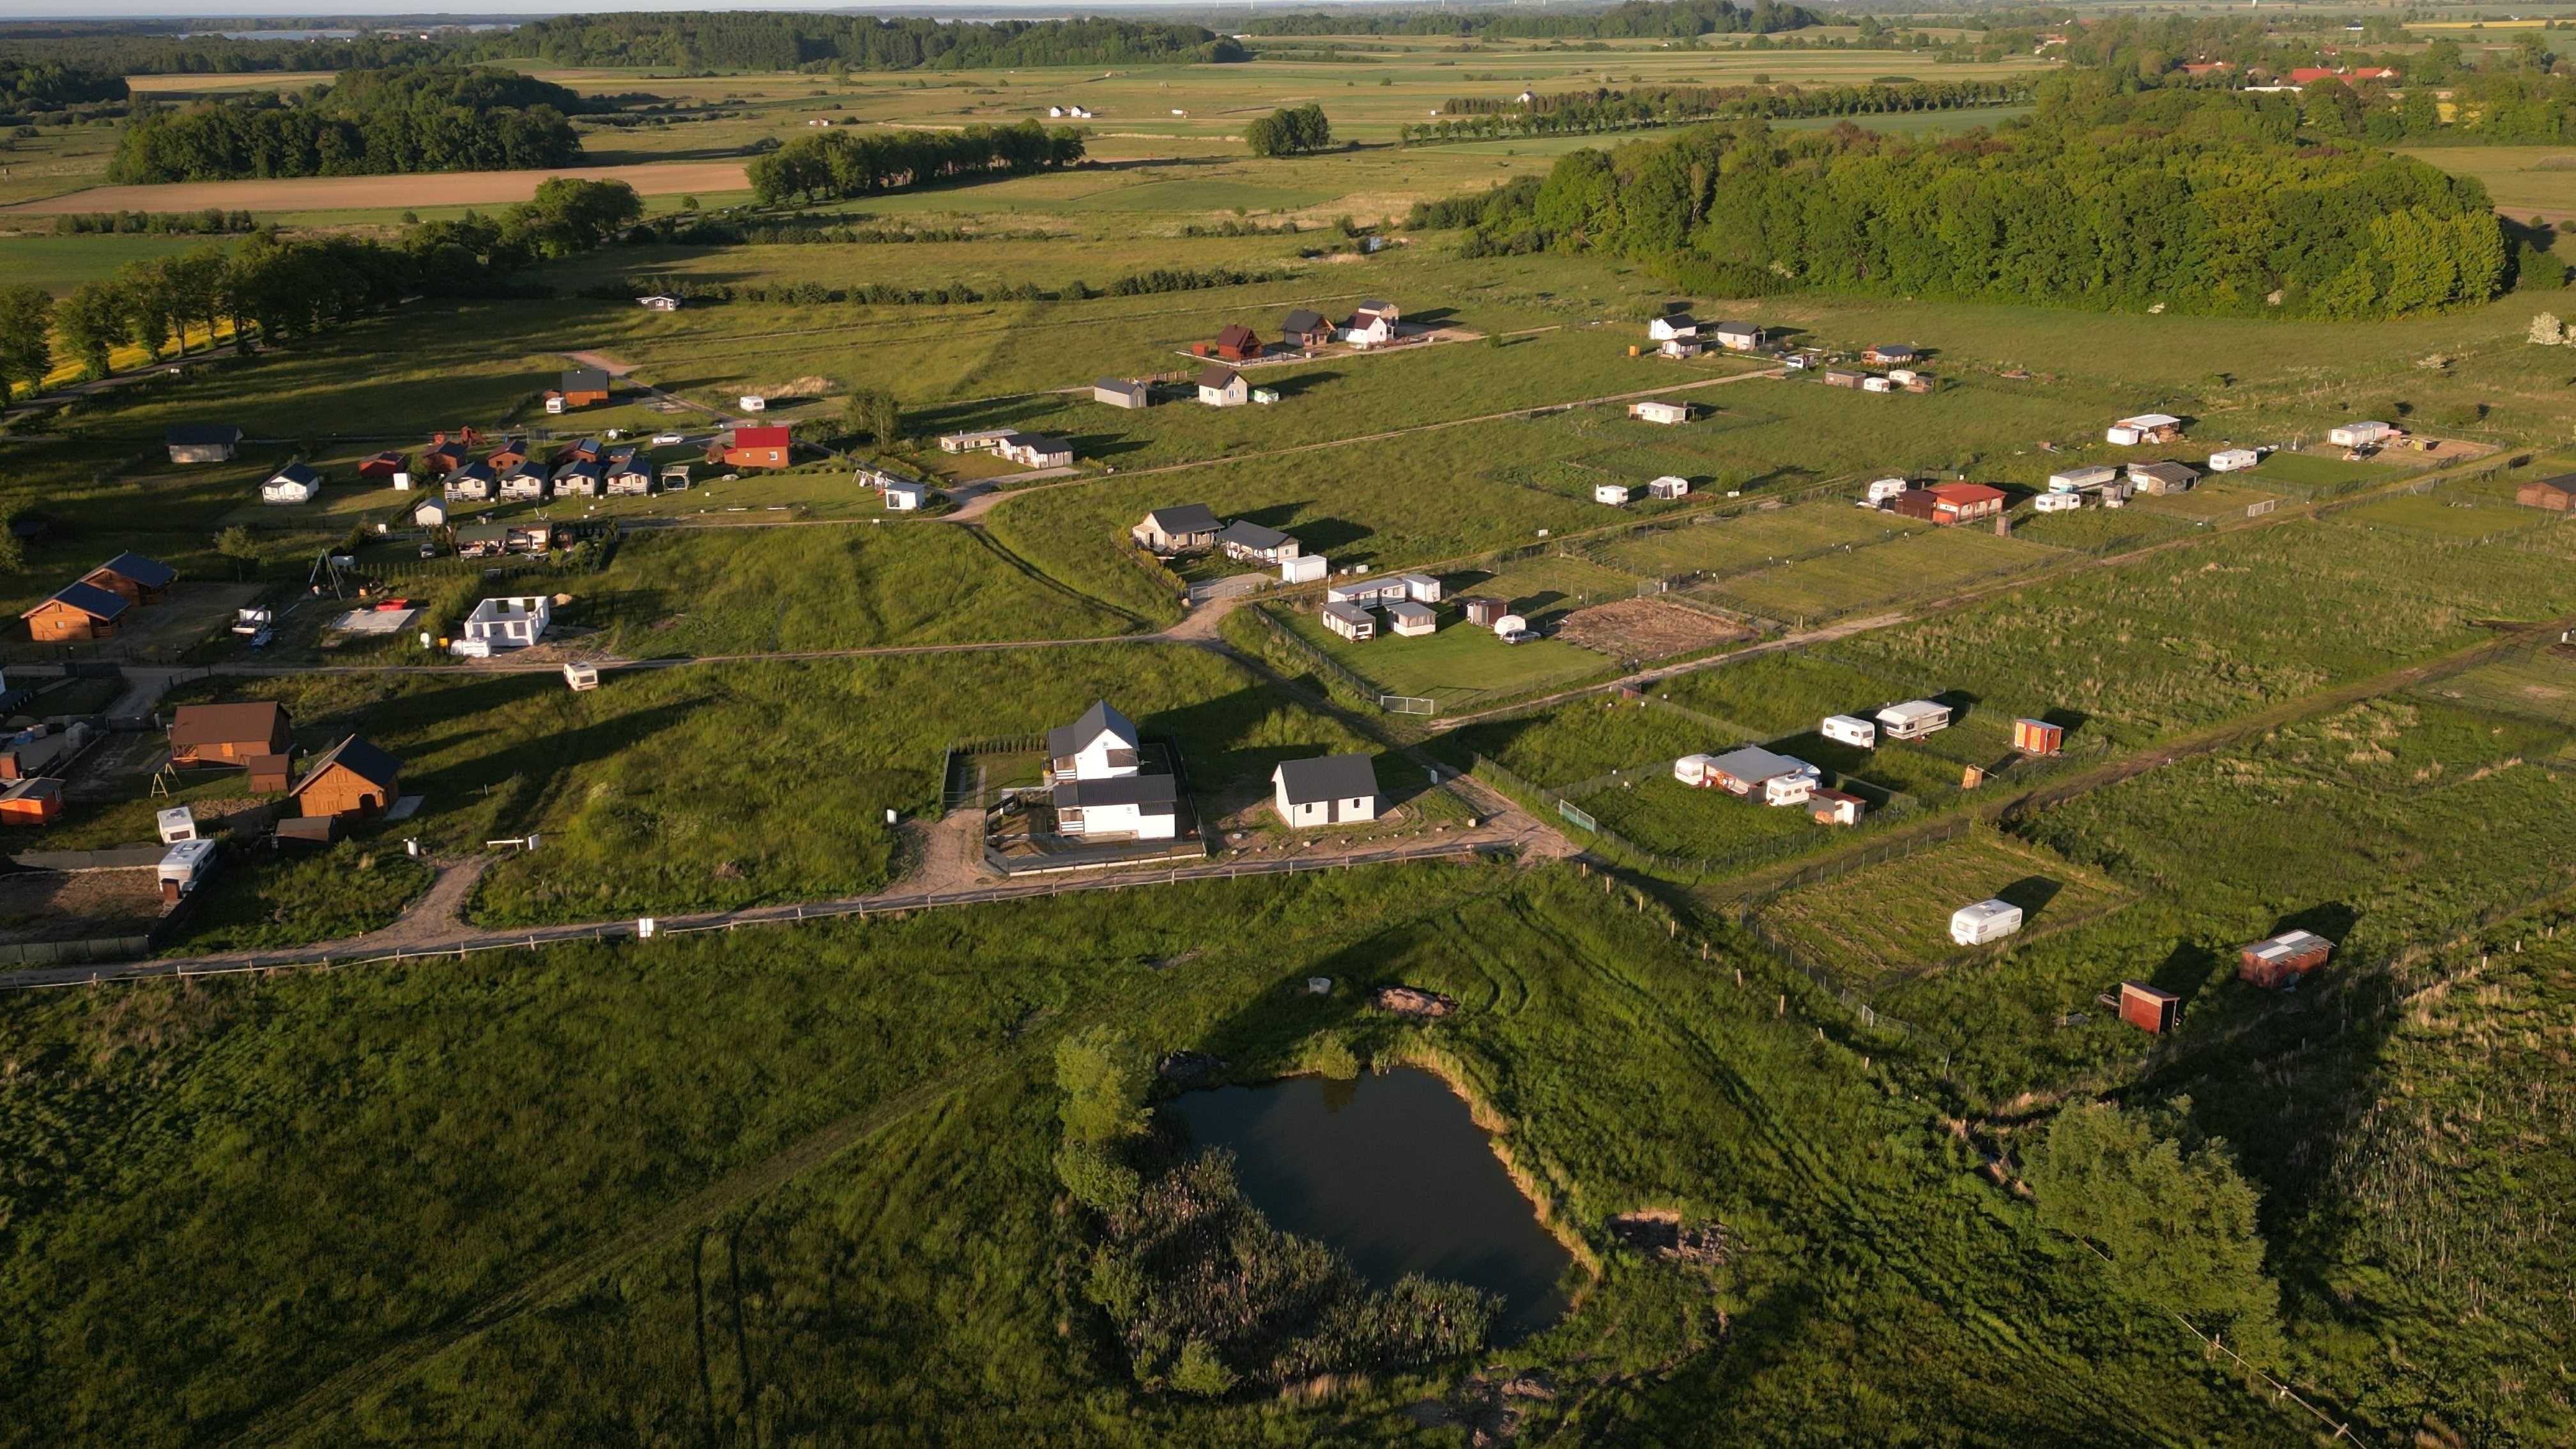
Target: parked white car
x,y
664,440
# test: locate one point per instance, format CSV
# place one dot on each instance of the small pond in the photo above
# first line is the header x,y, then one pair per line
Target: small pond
x,y
1393,1171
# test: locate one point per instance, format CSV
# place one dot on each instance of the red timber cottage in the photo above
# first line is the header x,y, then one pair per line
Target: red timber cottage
x,y
1949,503
759,448
133,578
1237,343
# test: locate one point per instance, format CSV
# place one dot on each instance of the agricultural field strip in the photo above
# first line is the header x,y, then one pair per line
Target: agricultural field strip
x,y
706,1205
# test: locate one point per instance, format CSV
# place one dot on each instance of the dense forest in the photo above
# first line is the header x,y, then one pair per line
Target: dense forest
x,y
124,53
1604,108
1637,19
409,119
49,85
2197,201
755,41
826,164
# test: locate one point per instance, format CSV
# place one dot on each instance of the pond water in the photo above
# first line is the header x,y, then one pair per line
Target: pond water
x,y
1393,1171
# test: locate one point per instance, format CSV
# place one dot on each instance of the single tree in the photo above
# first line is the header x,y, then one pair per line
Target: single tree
x,y
239,545
26,336
1104,1075
92,321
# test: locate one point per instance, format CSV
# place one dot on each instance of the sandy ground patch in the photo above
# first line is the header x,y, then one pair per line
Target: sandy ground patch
x,y
359,193
1646,629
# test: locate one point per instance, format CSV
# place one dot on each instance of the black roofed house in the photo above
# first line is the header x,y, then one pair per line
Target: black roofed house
x,y
471,483
525,480
1187,528
1889,354
2160,479
1221,386
579,387
511,453
203,442
1120,392
1098,784
628,472
1305,327
78,611
442,458
1672,326
2558,494
1333,790
133,577
580,449
1253,543
1145,807
1737,336
1099,746
581,478
353,777
487,540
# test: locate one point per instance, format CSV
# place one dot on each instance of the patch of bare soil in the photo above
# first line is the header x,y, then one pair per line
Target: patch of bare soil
x,y
1661,1233
1410,1001
1646,629
72,905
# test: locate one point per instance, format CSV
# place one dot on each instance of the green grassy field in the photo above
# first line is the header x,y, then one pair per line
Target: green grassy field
x,y
60,263
737,591
1892,920
1910,566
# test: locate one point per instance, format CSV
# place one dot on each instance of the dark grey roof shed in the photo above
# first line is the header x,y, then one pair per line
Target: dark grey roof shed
x,y
1331,777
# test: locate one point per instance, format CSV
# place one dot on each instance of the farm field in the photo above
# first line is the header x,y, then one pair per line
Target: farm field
x,y
1748,540
60,263
352,193
1891,920
741,591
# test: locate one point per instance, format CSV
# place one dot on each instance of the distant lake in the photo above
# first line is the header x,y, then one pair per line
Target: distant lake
x,y
1392,1171
274,34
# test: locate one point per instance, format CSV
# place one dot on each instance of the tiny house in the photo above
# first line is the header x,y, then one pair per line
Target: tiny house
x,y
1350,621
2038,737
1483,611
1983,922
1833,807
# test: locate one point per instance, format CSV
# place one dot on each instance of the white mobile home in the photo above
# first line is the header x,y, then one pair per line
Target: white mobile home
x,y
1668,486
2082,480
1350,621
902,496
1985,921
1614,494
1845,729
2233,460
2144,428
1305,568
1885,491
1669,414
2360,435
1913,719
1411,619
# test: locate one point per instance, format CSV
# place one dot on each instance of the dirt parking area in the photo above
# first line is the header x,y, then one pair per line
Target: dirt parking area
x,y
1646,629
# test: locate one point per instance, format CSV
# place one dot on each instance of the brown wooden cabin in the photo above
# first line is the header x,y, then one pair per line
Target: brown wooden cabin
x,y
133,578
229,734
353,777
78,612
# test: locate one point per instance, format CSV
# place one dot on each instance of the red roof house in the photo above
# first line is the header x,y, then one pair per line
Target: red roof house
x,y
1949,503
759,448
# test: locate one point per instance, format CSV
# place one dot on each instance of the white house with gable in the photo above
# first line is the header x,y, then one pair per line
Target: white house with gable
x,y
1099,785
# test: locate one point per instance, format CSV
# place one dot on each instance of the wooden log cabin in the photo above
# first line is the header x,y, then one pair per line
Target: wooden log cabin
x,y
353,777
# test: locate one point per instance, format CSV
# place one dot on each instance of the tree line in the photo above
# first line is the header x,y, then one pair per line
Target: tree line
x,y
1606,109
29,85
845,163
213,221
1635,20
277,290
412,119
124,51
2196,201
878,294
773,41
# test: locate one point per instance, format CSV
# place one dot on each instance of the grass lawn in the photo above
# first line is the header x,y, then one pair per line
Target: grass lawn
x,y
1892,919
1749,540
60,263
1911,566
2445,513
739,591
2311,474
1460,666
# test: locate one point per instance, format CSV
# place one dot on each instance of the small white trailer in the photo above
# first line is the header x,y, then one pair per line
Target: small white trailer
x,y
1983,922
1846,729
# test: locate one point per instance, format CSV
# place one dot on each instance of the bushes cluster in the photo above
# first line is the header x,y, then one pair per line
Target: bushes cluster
x,y
879,294
213,221
1605,109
